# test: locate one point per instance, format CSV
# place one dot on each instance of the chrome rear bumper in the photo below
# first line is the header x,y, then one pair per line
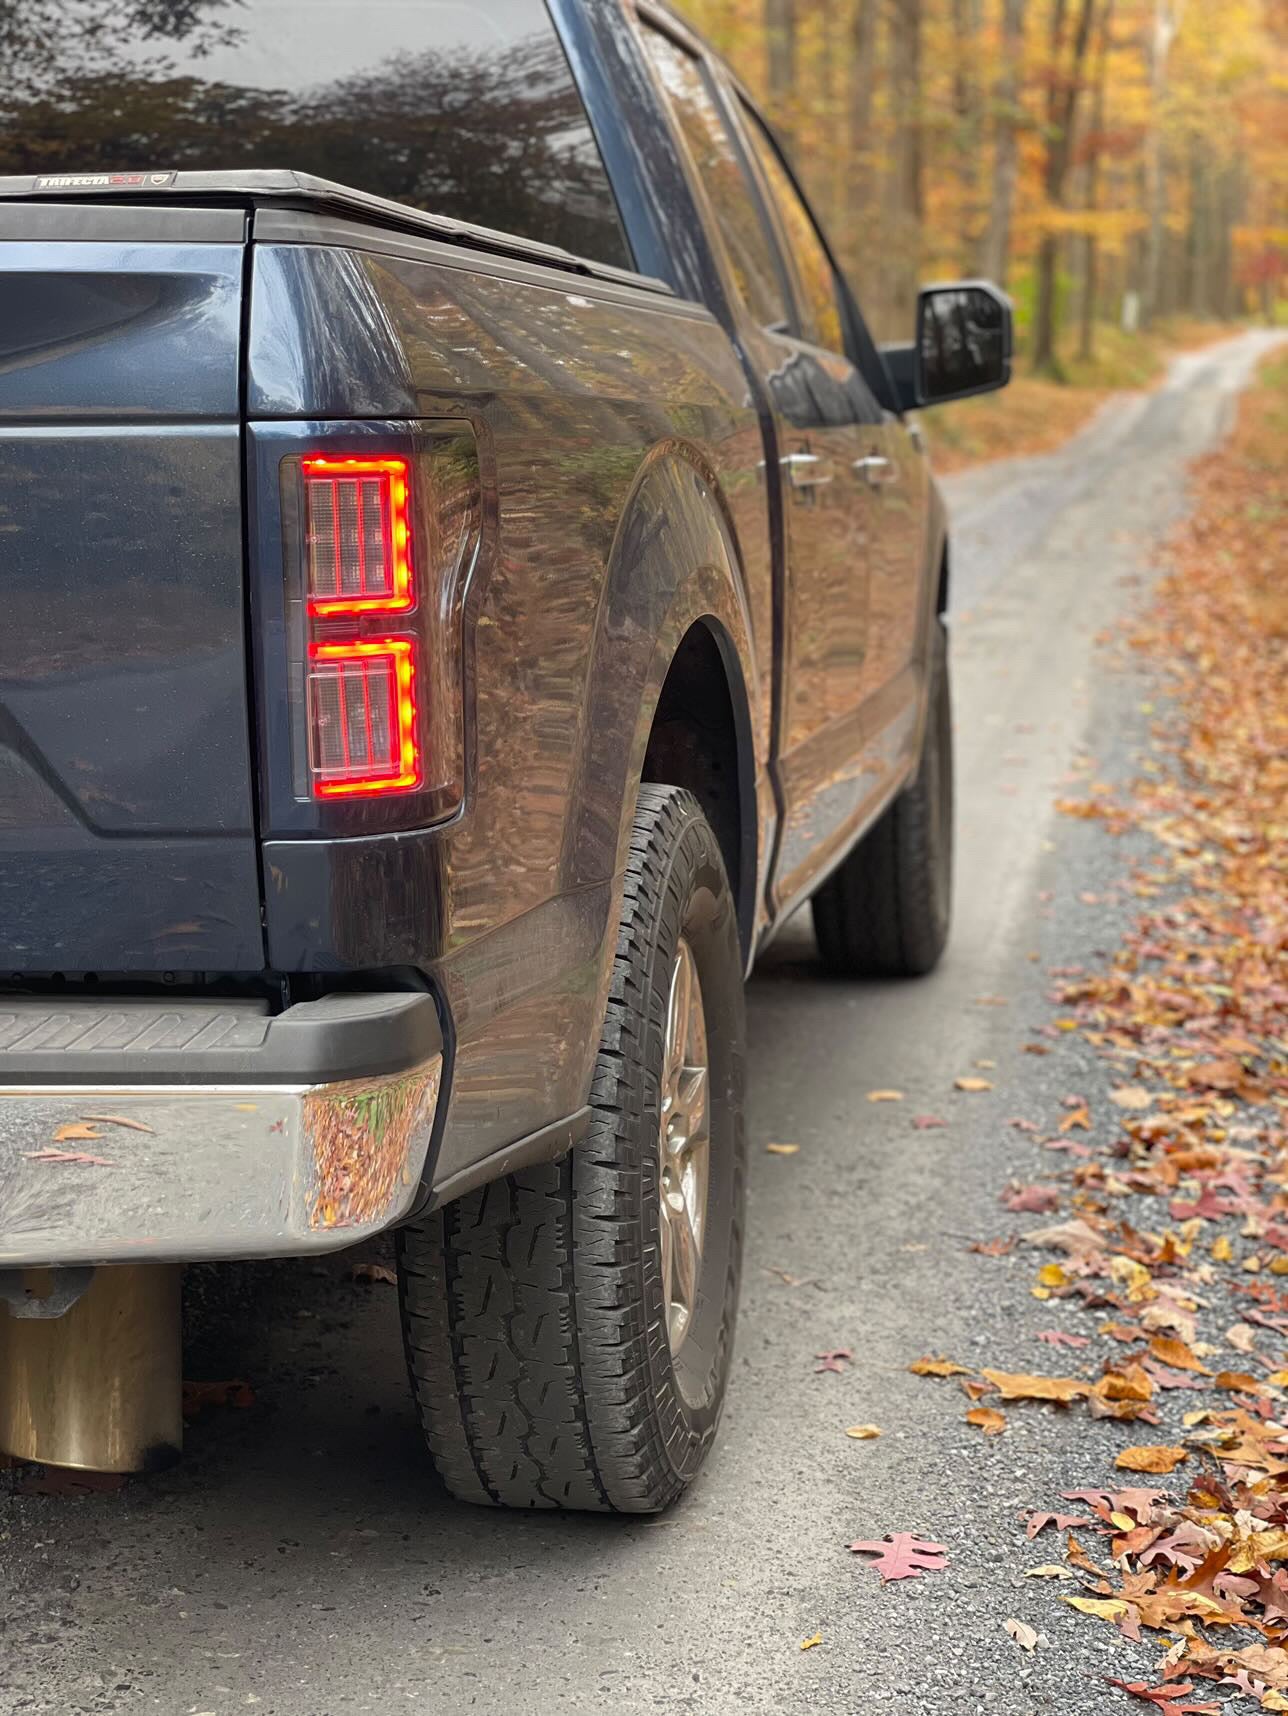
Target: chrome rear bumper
x,y
112,1170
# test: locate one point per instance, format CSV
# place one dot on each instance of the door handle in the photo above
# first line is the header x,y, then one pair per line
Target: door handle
x,y
875,470
806,470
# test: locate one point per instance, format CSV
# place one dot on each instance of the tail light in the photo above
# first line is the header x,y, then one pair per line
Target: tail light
x,y
378,547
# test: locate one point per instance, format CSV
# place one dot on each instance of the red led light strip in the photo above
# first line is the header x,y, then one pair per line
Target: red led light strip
x,y
394,506
404,773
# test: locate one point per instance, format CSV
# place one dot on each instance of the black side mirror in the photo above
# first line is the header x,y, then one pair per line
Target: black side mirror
x,y
964,341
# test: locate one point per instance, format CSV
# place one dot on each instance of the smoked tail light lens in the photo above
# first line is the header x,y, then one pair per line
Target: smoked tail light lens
x,y
363,717
381,527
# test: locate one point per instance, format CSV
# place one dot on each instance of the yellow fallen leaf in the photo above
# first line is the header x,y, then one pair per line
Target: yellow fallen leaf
x,y
885,1096
863,1432
1251,1264
1105,1608
1278,1266
1052,1275
1273,1700
1152,1457
988,1419
937,1367
973,1083
808,1644
782,1149
1049,1570
1223,1251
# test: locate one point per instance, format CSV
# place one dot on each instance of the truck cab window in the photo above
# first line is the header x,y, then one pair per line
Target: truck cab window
x,y
720,170
464,110
814,271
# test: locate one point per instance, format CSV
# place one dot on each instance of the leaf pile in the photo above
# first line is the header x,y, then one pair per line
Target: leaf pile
x,y
1192,1015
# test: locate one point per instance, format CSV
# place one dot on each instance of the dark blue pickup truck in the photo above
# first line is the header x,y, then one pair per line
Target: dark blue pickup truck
x,y
468,576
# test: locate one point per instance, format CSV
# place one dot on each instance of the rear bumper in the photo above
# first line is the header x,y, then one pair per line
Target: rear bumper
x,y
205,1131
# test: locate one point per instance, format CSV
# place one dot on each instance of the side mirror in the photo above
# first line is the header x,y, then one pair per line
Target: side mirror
x,y
964,341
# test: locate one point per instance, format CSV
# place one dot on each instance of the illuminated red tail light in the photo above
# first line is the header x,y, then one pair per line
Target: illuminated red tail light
x,y
358,526
363,717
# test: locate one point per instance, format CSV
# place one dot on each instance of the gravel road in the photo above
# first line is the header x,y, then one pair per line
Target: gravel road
x,y
301,1561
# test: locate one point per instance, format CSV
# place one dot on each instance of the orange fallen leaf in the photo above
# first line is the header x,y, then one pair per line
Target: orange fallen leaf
x,y
1019,1385
118,1120
373,1272
973,1084
1170,1351
863,1432
988,1419
885,1096
74,1131
937,1367
1151,1457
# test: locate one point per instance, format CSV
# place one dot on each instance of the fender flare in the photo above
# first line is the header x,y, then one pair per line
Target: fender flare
x,y
673,564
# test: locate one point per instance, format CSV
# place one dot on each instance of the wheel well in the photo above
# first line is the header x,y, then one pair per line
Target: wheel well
x,y
694,743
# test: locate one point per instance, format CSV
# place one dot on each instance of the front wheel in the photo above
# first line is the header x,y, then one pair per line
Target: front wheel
x,y
885,911
569,1328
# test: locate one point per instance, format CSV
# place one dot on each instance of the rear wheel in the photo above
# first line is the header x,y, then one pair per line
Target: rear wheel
x,y
569,1328
885,911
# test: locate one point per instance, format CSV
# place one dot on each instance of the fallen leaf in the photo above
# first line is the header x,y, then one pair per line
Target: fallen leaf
x,y
1021,1386
1151,1457
1038,1522
1217,1075
927,1122
937,1367
1176,1354
1165,1698
782,1149
973,1084
373,1272
1023,1634
77,1156
1104,1608
834,1361
988,1419
1242,1337
1073,1237
1131,1096
119,1120
809,1643
885,1096
74,1131
197,1396
1080,1118
863,1432
1049,1570
1236,1381
902,1555
1059,1338
1031,1200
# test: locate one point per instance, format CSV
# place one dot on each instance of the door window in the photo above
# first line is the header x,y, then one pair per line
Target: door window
x,y
720,170
822,313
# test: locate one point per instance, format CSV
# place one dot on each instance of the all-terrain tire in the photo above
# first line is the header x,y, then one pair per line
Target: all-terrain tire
x,y
885,911
533,1312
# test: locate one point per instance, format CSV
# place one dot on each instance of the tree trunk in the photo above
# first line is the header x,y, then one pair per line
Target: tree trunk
x,y
966,22
1090,248
904,183
1064,87
863,210
995,250
780,48
1167,19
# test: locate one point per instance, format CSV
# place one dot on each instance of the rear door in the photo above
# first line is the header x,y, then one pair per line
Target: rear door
x,y
127,836
826,421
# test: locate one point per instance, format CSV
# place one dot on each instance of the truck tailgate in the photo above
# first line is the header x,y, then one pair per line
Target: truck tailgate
x,y
127,836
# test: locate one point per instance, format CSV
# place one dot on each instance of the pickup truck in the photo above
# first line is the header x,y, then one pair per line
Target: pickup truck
x,y
470,575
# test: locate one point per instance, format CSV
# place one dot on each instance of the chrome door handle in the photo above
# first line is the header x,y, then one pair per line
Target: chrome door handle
x,y
806,470
875,470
